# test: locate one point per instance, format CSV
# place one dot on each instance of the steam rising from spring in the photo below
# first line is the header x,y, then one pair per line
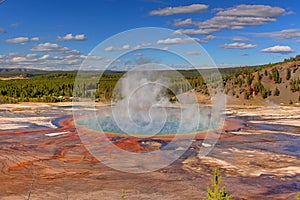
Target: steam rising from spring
x,y
141,99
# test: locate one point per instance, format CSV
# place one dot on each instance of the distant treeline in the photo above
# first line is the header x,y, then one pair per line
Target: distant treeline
x,y
59,86
45,86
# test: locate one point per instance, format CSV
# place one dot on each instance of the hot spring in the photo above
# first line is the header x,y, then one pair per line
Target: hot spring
x,y
156,122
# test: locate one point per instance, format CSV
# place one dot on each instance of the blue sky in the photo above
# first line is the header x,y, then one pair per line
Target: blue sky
x,y
59,34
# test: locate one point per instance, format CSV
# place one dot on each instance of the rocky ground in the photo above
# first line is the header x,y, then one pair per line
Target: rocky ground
x,y
258,155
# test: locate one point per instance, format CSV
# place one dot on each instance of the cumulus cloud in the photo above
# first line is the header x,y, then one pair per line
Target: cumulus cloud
x,y
186,22
179,10
194,31
253,11
237,45
18,59
243,15
22,40
35,39
164,48
126,47
53,48
237,17
145,44
283,34
44,61
170,41
70,37
240,39
177,40
278,49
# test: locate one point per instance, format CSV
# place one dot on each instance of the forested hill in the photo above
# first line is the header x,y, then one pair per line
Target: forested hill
x,y
277,82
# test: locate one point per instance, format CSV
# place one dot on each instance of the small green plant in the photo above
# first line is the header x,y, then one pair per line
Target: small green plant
x,y
298,195
277,92
123,195
288,74
217,193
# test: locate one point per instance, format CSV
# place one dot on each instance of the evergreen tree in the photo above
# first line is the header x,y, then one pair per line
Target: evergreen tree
x,y
298,196
123,195
217,193
277,92
275,75
288,74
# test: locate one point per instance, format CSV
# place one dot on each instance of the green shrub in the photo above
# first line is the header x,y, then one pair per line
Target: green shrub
x,y
277,92
288,74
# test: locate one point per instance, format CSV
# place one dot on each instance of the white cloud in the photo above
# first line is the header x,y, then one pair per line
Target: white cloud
x,y
70,36
35,39
46,61
186,22
144,44
177,40
164,48
110,48
227,65
240,39
253,11
110,61
22,40
283,34
243,15
193,31
18,59
237,45
53,48
44,57
32,55
170,41
234,18
179,10
124,47
210,37
278,49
